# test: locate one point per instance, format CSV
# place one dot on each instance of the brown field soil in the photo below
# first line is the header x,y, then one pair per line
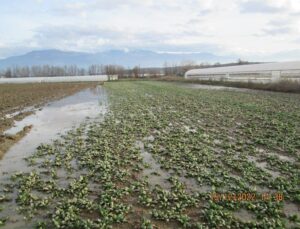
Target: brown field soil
x,y
16,97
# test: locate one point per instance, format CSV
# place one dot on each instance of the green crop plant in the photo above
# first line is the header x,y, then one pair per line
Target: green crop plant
x,y
160,153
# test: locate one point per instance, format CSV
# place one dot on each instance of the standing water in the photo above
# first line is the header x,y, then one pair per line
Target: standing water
x,y
48,123
56,118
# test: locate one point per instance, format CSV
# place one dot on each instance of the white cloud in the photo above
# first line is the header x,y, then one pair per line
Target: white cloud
x,y
239,27
270,6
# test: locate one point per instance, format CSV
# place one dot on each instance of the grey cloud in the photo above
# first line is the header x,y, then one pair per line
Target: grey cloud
x,y
278,27
280,22
288,55
74,8
277,31
14,50
259,6
73,32
194,21
96,5
87,39
195,47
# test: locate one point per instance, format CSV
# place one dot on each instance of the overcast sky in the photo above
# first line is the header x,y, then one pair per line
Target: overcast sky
x,y
250,29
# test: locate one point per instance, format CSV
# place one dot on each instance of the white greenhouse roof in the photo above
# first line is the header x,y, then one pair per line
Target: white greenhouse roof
x,y
282,66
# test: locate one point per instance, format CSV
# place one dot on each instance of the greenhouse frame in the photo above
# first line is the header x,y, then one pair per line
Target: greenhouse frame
x,y
264,72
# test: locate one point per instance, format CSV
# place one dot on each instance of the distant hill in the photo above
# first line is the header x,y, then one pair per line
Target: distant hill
x,y
124,58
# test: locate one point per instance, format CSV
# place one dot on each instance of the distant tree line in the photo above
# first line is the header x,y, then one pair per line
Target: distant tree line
x,y
45,70
73,70
169,69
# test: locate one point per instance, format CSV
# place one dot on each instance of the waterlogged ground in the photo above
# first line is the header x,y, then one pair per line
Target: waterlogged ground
x,y
18,101
47,123
169,157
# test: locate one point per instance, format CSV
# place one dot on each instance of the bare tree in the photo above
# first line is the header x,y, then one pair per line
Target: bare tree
x,y
240,61
166,67
8,73
136,71
120,71
110,70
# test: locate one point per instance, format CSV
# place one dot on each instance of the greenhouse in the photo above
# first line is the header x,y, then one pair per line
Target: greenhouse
x,y
251,72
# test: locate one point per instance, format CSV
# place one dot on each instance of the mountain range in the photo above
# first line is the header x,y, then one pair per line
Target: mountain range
x,y
143,58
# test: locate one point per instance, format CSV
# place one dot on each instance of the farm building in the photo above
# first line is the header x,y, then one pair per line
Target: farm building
x,y
251,72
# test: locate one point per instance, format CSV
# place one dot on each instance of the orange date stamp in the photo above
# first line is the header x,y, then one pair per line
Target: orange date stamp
x,y
247,196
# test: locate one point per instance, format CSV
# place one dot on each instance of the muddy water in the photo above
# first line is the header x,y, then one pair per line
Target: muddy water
x,y
244,215
156,176
291,209
26,109
48,123
213,87
283,158
55,118
263,165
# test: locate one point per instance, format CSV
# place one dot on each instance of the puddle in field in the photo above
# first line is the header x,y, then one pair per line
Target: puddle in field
x,y
49,124
263,165
282,157
263,190
244,215
291,209
192,185
26,109
56,118
156,176
149,138
213,87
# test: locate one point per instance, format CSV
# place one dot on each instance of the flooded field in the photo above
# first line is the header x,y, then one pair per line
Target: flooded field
x,y
210,87
19,101
156,155
215,87
48,124
54,119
